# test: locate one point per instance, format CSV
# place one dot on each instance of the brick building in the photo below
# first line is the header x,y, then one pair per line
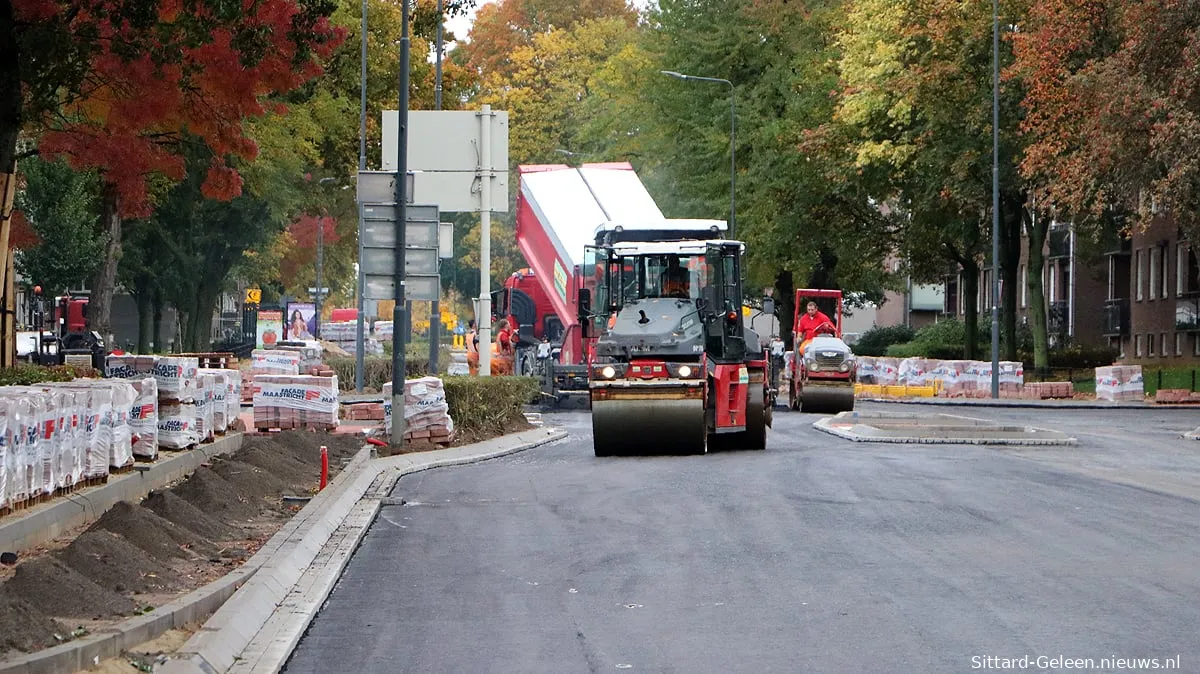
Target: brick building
x,y
1152,309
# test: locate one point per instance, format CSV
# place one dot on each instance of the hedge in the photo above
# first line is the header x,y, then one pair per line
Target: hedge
x,y
875,342
377,370
28,375
487,406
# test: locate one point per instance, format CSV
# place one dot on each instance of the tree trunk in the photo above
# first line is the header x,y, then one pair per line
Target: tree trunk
x,y
970,295
10,128
104,286
142,296
1010,260
785,306
1037,228
157,302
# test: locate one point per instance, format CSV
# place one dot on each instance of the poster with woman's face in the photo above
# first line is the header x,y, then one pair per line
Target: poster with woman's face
x,y
301,321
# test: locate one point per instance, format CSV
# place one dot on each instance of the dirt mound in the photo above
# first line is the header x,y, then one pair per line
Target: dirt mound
x,y
251,481
297,474
24,628
307,446
60,591
157,536
169,506
115,564
214,495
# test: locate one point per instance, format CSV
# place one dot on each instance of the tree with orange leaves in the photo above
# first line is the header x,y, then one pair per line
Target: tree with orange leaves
x,y
123,85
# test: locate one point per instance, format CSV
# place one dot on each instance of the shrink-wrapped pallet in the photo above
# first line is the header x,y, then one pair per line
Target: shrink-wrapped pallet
x,y
23,432
426,412
142,418
205,383
221,389
93,401
176,377
233,396
295,401
1120,383
383,330
914,371
68,452
951,375
177,424
1012,376
128,366
275,361
7,458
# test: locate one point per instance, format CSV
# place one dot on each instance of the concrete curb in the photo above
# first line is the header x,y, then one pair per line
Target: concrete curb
x,y
45,523
828,425
1016,403
259,626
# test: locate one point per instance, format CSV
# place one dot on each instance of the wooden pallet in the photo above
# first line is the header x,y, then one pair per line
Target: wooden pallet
x,y
314,428
121,470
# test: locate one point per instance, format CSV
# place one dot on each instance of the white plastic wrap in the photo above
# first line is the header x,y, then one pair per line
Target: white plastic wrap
x,y
221,390
300,401
92,440
204,406
128,366
176,377
124,396
7,458
233,396
16,460
275,362
177,425
142,419
425,407
383,330
1120,383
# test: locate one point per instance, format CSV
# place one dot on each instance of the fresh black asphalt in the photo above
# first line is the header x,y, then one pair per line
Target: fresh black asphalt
x,y
817,555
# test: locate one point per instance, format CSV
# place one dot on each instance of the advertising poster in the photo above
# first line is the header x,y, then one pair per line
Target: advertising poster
x,y
269,328
301,321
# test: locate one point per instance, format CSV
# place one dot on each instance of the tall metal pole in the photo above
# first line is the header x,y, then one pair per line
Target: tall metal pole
x,y
732,163
995,198
732,142
399,333
360,333
320,264
485,241
435,308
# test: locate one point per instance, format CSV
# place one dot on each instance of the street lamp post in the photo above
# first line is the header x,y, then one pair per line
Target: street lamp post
x,y
732,141
995,198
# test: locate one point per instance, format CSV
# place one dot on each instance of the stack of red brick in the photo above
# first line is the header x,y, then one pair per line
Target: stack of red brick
x,y
321,370
1176,396
1048,389
426,414
1120,383
364,411
295,401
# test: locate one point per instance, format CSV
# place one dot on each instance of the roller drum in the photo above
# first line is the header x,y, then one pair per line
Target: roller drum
x,y
826,399
631,425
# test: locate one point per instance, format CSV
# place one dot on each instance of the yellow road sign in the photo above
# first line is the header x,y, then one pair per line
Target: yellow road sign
x,y
253,296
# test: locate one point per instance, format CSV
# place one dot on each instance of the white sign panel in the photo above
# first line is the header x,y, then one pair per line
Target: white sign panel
x,y
416,288
417,261
444,140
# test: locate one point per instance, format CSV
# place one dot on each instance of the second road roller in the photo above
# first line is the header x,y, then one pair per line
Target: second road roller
x,y
673,368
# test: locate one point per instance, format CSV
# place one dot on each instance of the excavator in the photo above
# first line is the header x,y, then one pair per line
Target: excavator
x,y
672,367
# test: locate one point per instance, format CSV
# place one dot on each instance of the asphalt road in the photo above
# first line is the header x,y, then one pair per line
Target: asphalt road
x,y
817,555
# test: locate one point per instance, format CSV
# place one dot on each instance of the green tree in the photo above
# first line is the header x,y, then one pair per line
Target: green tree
x,y
61,205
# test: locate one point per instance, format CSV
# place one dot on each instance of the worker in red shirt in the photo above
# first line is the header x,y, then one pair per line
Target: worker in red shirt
x,y
812,323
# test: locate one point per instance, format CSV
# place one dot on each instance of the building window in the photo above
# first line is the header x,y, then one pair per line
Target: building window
x,y
1179,344
1164,287
1149,343
1187,271
1153,273
1196,345
1137,349
1162,350
1141,275
1112,277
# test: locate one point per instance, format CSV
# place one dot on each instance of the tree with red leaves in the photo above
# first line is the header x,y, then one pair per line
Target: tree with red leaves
x,y
123,86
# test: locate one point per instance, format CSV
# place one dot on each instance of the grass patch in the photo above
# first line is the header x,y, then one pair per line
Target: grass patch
x,y
28,375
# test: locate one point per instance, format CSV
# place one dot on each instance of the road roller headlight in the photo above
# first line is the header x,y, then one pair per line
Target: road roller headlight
x,y
845,367
684,371
608,372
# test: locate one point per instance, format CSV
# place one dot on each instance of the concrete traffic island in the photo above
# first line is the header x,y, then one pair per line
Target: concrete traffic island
x,y
935,428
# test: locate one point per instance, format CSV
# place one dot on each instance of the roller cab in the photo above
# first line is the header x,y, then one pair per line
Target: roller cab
x,y
670,371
